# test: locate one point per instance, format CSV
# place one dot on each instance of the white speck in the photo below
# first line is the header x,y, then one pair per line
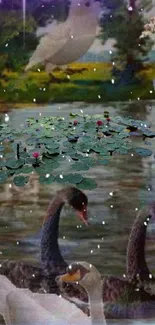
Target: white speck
x,y
124,275
132,154
90,265
6,45
72,36
40,114
138,98
150,276
111,206
17,242
102,238
103,222
30,211
33,275
1,253
145,223
34,100
10,185
91,251
130,8
98,246
81,110
44,89
68,76
6,118
137,289
64,237
136,209
61,176
0,265
148,219
99,96
94,69
70,267
145,125
77,226
112,81
149,189
38,70
47,175
111,193
110,52
1,156
151,91
113,63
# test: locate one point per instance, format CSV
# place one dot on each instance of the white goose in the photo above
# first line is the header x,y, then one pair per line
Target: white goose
x,y
90,279
22,307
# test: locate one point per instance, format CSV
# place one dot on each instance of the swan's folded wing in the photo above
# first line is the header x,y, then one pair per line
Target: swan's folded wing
x,y
50,44
22,309
62,308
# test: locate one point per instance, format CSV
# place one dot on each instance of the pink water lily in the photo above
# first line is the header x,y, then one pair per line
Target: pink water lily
x,y
99,123
36,154
75,122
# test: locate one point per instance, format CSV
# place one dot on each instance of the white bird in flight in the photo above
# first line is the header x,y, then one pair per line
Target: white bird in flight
x,y
64,43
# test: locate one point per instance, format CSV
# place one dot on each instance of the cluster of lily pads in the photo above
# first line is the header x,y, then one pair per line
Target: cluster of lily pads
x,y
77,142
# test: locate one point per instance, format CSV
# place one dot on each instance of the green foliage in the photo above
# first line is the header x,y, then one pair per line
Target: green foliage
x,y
50,137
126,27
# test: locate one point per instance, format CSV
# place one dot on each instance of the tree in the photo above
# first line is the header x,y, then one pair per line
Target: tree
x,y
13,50
125,23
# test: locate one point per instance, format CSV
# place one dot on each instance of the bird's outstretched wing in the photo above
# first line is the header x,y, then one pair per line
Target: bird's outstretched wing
x,y
50,44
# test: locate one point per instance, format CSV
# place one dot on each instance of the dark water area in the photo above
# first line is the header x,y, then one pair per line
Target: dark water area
x,y
124,186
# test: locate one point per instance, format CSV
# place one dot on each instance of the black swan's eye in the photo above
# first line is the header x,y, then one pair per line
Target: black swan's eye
x,y
87,4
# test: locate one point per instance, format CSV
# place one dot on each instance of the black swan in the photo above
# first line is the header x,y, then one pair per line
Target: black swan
x,y
42,278
131,290
133,297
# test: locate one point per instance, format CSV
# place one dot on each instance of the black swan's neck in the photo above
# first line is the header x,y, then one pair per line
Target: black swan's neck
x,y
136,263
51,257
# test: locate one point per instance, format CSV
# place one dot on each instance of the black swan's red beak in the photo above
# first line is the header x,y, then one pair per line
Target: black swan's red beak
x,y
83,215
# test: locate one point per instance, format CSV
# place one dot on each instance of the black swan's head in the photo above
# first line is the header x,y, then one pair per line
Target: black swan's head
x,y
78,201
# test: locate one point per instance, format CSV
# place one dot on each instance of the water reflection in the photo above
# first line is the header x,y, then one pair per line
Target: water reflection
x,y
130,179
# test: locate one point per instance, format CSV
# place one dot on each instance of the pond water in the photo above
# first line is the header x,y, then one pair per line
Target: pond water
x,y
131,180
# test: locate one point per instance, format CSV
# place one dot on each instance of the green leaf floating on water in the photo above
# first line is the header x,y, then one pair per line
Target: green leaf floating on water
x,y
87,184
48,179
3,176
20,180
25,170
71,146
74,178
80,166
143,152
14,163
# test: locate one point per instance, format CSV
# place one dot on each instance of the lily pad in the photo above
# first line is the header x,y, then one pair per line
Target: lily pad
x,y
87,184
48,179
80,166
25,170
143,152
14,163
74,178
3,176
61,178
20,180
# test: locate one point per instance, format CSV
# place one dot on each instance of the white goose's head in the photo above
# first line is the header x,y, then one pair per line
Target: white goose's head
x,y
82,272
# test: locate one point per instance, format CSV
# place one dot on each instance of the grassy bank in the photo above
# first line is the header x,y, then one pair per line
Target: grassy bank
x,y
89,82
